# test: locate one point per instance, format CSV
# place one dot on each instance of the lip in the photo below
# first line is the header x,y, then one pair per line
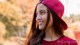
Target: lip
x,y
40,22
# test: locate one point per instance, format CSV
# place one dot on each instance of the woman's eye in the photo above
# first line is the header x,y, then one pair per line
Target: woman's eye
x,y
42,13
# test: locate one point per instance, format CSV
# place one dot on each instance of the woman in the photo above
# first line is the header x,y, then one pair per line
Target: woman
x,y
47,26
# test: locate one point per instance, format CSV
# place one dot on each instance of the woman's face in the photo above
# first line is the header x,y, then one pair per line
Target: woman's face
x,y
41,16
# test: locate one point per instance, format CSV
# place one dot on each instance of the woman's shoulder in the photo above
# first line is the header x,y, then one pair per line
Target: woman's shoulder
x,y
68,40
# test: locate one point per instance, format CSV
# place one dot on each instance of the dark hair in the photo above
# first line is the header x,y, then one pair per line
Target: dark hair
x,y
38,35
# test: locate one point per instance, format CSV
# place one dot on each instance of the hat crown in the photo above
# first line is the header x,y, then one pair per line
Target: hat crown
x,y
54,5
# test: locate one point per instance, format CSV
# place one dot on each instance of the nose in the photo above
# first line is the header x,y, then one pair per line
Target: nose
x,y
38,17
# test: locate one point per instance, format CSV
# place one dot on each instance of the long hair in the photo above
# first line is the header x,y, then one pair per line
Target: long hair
x,y
37,35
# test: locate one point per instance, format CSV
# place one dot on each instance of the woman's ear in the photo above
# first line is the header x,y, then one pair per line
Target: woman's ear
x,y
51,18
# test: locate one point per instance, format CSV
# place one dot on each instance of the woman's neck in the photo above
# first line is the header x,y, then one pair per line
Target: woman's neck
x,y
50,35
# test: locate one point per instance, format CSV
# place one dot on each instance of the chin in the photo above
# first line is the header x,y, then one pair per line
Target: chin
x,y
41,28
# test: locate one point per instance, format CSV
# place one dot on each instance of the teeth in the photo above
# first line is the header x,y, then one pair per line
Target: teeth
x,y
40,22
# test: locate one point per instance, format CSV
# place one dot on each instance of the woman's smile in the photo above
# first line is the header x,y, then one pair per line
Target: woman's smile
x,y
40,22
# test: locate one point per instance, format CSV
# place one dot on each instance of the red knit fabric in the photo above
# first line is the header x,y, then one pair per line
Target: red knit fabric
x,y
61,41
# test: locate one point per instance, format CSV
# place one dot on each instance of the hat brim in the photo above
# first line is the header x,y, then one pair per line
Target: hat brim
x,y
63,23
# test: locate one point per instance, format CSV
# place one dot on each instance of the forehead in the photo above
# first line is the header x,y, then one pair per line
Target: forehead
x,y
41,7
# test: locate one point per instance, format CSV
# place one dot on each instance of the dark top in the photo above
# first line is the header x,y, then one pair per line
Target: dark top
x,y
61,41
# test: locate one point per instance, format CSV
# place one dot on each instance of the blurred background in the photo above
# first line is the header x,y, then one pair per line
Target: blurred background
x,y
16,18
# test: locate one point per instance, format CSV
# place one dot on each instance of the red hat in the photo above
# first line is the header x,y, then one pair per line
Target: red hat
x,y
57,7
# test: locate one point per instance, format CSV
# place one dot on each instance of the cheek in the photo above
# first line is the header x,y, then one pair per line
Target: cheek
x,y
44,17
